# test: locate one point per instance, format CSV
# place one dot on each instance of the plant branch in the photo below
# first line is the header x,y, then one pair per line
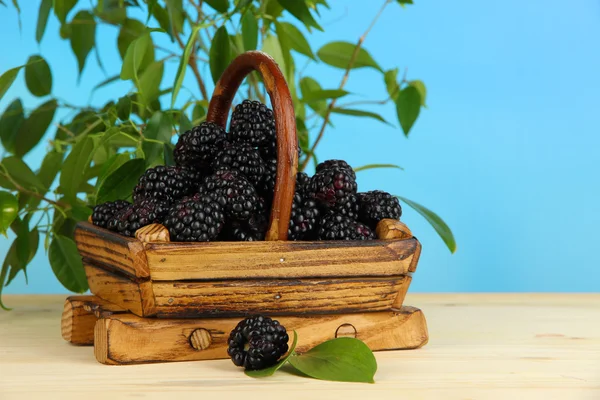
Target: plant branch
x,y
342,84
194,65
28,192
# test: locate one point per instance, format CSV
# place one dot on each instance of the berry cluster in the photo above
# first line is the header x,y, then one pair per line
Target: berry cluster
x,y
222,186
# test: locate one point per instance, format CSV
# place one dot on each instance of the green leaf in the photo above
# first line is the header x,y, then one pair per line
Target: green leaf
x,y
134,57
309,85
83,36
249,31
403,2
183,63
184,123
162,16
302,134
131,30
273,47
198,114
339,54
124,108
168,154
62,8
149,82
154,153
323,94
9,208
159,127
111,165
435,221
373,166
75,166
112,11
107,81
50,168
342,359
10,123
219,5
7,79
296,39
420,86
66,264
359,113
25,247
38,76
263,373
34,127
176,16
120,183
219,53
408,106
391,82
45,7
22,174
299,9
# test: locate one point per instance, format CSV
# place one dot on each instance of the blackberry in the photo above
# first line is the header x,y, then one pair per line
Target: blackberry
x,y
331,186
339,164
252,122
377,205
133,217
257,343
267,186
234,192
252,230
348,206
269,150
338,227
104,212
302,181
304,219
196,148
166,183
198,218
243,157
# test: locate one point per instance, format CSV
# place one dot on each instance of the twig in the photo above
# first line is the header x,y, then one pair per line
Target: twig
x,y
21,189
342,84
192,63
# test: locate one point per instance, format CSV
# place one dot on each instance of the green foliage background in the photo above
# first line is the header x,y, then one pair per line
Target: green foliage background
x,y
97,154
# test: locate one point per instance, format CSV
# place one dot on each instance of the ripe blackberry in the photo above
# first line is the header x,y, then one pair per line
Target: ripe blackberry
x,y
198,218
252,230
196,148
252,122
348,206
304,220
267,186
133,217
243,157
338,227
104,212
377,205
302,181
331,186
269,150
166,183
339,164
257,343
234,192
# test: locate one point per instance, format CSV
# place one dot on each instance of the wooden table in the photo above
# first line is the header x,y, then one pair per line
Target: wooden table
x,y
482,346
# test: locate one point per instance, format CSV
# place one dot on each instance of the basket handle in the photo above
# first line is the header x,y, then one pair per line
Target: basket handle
x,y
285,126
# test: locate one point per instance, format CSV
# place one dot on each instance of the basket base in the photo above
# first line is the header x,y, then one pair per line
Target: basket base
x,y
120,337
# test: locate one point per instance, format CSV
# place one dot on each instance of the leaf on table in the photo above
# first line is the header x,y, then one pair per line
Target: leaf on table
x,y
263,373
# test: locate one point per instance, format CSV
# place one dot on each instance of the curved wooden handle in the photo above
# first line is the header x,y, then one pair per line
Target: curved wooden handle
x,y
285,125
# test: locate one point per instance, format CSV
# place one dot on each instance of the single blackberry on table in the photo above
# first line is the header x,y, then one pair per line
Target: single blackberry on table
x,y
338,227
243,157
304,219
348,206
166,183
257,343
377,205
234,192
133,217
104,212
331,186
197,147
198,218
252,122
339,164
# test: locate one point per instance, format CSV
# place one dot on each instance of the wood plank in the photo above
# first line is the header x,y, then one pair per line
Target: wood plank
x,y
104,247
277,297
121,290
79,317
127,339
257,260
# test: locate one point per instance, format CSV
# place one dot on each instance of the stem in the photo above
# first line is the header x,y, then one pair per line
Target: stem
x,y
192,63
342,84
21,189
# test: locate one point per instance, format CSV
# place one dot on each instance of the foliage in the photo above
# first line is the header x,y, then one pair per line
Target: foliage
x,y
95,154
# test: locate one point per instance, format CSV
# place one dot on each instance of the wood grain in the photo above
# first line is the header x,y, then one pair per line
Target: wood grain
x,y
285,126
388,229
103,247
256,260
153,233
77,322
127,339
277,297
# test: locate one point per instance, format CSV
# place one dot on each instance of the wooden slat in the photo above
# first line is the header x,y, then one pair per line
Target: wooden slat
x,y
103,247
127,339
77,323
121,290
277,297
255,260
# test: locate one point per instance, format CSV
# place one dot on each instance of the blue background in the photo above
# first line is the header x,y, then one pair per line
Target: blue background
x,y
508,151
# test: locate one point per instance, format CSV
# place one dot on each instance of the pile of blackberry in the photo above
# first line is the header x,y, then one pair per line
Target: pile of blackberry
x,y
222,187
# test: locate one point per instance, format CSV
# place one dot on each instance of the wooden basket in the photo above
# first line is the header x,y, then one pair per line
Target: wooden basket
x,y
152,291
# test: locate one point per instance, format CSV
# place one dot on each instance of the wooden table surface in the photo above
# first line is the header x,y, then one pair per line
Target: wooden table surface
x,y
482,346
